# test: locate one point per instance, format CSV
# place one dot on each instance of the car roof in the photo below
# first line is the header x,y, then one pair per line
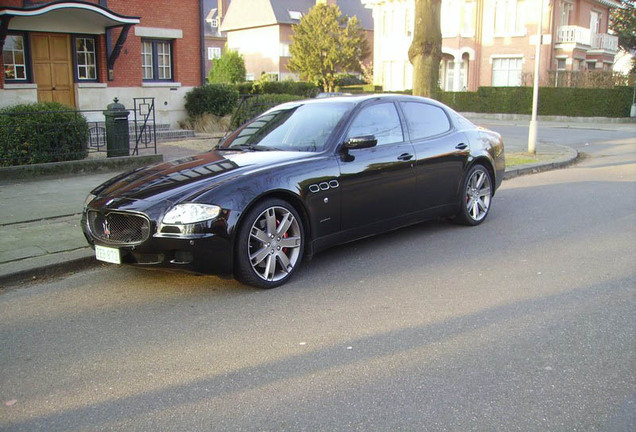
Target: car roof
x,y
358,99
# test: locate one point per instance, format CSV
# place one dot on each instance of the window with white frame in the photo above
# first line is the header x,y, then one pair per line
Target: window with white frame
x,y
284,50
214,53
85,59
449,18
566,12
561,64
156,60
595,22
468,19
14,56
509,17
506,72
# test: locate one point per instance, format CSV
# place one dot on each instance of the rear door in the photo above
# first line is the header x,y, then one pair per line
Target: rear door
x,y
441,154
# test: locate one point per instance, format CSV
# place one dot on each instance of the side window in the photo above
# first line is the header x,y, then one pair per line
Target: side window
x,y
381,120
425,120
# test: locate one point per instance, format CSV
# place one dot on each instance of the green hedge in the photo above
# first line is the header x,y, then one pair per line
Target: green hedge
x,y
574,102
217,99
40,133
304,89
258,104
358,89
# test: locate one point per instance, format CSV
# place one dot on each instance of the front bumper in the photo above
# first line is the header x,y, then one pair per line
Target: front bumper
x,y
209,253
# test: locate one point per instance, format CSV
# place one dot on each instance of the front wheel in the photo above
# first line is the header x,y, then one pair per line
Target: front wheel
x,y
476,196
270,244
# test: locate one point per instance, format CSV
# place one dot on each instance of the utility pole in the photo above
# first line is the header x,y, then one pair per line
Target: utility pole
x,y
532,132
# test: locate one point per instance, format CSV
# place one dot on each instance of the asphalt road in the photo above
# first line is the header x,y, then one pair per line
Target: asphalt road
x,y
525,323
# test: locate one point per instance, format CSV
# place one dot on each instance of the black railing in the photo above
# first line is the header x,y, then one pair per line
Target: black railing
x,y
145,124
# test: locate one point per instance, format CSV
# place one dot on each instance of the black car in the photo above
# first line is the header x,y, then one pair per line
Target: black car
x,y
299,178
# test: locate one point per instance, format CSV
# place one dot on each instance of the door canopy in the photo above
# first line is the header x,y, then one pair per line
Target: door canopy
x,y
64,17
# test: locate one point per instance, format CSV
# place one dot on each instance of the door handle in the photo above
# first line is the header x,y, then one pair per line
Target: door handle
x,y
405,156
461,146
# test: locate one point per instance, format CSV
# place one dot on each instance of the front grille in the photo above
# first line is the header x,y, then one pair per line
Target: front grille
x,y
119,228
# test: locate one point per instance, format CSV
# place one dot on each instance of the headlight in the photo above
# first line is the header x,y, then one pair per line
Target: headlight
x,y
88,200
183,214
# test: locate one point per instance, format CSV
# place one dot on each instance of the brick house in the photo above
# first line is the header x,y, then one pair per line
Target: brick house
x,y
85,53
215,40
493,42
261,31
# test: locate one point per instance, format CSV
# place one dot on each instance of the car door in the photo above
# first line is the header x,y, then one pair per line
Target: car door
x,y
441,154
377,183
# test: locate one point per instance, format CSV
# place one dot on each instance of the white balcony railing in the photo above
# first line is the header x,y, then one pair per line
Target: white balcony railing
x,y
604,42
573,34
583,36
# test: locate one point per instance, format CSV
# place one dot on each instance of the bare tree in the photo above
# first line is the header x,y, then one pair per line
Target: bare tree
x,y
425,52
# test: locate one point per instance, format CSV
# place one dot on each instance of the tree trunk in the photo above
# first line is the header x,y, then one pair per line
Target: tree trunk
x,y
425,52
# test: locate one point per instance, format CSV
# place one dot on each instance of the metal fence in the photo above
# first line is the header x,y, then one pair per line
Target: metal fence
x,y
30,137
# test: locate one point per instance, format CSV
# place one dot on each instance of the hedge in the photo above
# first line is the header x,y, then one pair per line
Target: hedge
x,y
252,106
217,99
573,102
298,88
40,133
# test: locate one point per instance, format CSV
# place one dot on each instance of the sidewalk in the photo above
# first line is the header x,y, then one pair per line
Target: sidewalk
x,y
40,232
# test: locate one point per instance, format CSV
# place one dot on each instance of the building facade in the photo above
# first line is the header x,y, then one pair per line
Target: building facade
x,y
85,53
215,40
261,30
493,42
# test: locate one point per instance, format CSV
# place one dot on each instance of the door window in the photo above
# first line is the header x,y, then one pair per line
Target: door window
x,y
380,120
424,120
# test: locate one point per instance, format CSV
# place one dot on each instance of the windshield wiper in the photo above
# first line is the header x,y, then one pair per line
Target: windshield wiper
x,y
253,147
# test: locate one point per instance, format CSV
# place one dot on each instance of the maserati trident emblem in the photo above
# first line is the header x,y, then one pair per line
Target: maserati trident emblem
x,y
106,227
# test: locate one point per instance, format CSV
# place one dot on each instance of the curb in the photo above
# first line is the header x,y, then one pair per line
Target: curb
x,y
50,266
84,166
562,162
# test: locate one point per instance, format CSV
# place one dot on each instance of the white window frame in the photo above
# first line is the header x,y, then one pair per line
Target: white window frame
x,y
14,64
513,77
509,18
214,53
90,59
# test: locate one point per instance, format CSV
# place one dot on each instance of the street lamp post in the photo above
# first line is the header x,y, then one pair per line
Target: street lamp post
x,y
532,132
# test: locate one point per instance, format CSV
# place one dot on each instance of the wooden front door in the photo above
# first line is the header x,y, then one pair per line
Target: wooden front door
x,y
53,67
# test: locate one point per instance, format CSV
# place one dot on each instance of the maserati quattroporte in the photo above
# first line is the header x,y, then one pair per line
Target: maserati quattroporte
x,y
295,180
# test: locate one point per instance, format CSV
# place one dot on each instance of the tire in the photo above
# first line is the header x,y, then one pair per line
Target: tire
x,y
476,196
270,244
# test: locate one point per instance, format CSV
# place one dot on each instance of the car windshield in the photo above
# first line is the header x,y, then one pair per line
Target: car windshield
x,y
290,127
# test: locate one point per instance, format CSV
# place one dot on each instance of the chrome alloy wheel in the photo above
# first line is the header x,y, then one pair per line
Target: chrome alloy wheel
x,y
274,243
478,194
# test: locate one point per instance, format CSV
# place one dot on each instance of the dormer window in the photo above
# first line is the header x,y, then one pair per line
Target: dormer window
x,y
295,15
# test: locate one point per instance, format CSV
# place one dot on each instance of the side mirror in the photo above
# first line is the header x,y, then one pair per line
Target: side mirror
x,y
361,142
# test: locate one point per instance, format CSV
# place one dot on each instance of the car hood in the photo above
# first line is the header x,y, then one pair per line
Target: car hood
x,y
177,179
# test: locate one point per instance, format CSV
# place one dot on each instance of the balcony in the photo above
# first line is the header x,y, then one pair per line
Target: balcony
x,y
583,36
603,41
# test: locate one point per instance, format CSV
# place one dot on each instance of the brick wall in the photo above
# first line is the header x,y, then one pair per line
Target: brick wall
x,y
168,14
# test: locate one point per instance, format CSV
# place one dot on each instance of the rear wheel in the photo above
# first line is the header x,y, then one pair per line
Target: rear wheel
x,y
476,196
270,244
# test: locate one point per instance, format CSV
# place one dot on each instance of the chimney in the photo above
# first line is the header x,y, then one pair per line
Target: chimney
x,y
221,10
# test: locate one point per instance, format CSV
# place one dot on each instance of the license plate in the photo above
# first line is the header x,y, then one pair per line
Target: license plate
x,y
106,254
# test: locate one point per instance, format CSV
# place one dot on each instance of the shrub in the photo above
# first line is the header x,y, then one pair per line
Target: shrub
x,y
217,99
253,106
40,133
229,68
